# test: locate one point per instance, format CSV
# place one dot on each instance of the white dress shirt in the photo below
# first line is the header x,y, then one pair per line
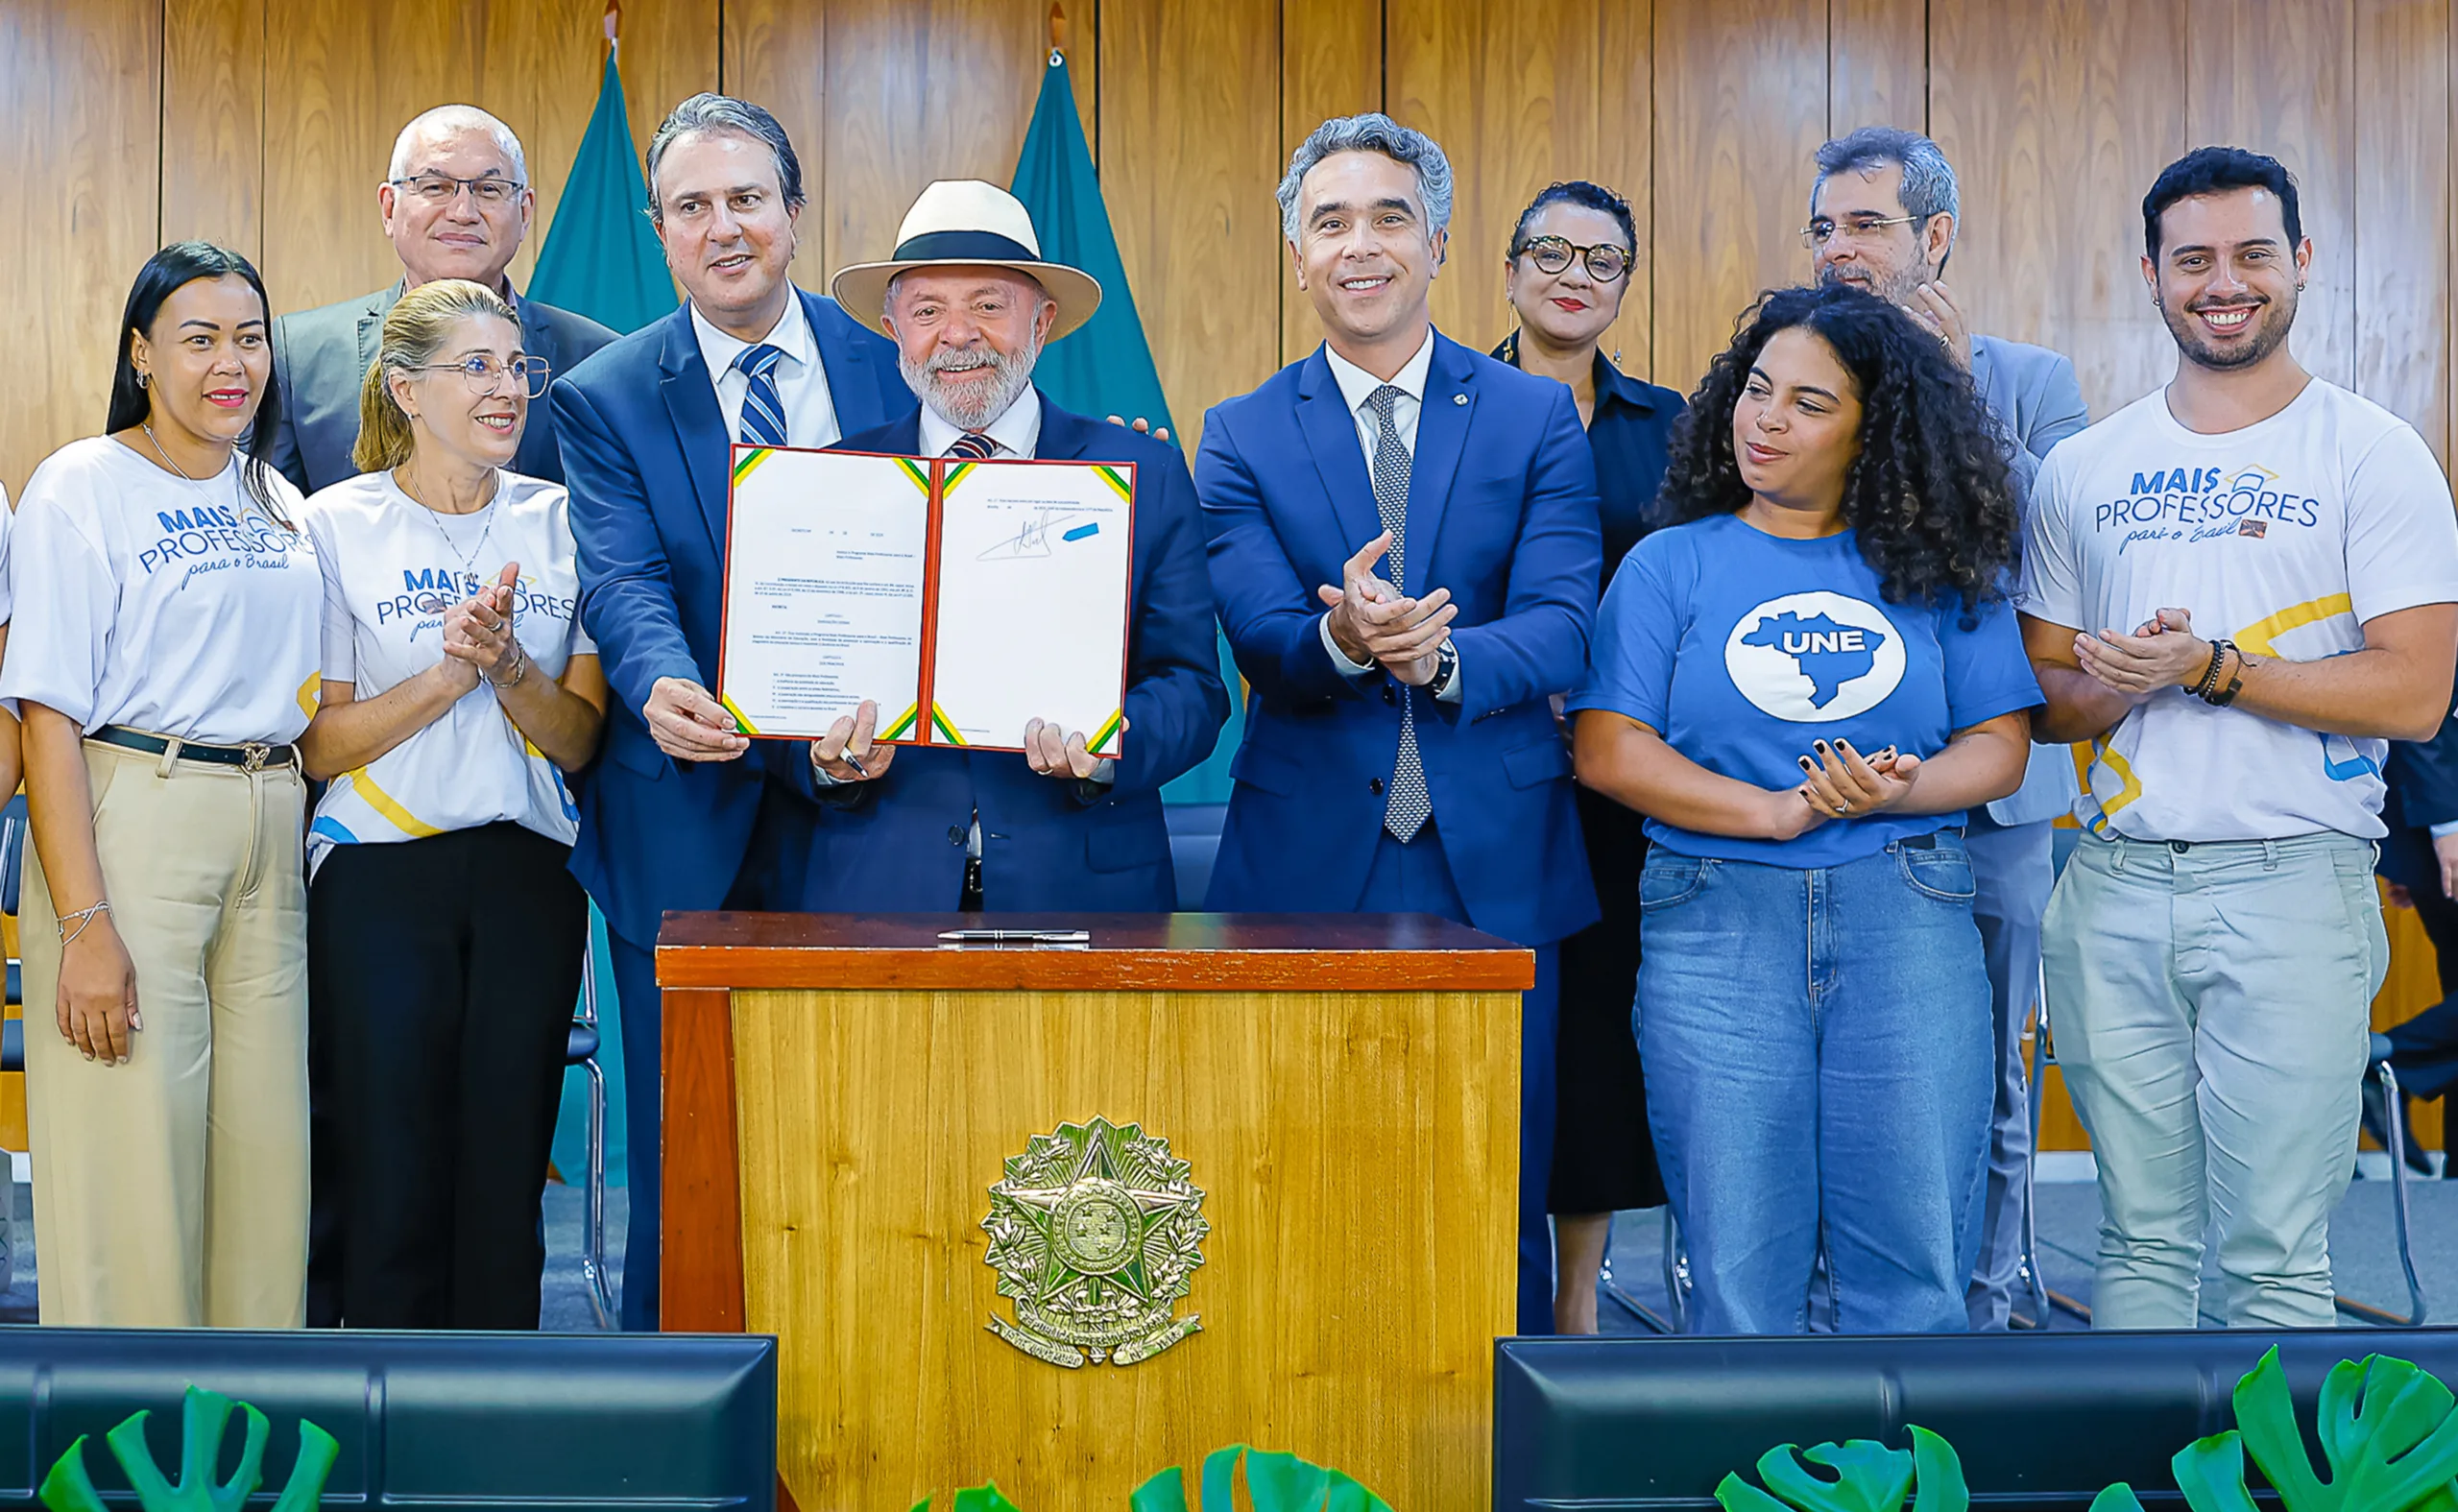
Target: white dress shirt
x,y
1358,388
802,383
1016,433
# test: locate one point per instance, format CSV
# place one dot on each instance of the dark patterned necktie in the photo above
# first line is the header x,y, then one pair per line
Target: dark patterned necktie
x,y
763,412
1406,806
975,445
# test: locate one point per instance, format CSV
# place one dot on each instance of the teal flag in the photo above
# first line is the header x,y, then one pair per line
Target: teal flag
x,y
1105,368
601,257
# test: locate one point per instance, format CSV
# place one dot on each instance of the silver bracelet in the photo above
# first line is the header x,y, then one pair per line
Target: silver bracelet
x,y
519,669
83,917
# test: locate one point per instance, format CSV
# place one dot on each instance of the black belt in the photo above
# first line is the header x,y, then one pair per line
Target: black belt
x,y
253,757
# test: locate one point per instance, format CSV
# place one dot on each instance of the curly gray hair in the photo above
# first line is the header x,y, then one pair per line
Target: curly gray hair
x,y
1370,132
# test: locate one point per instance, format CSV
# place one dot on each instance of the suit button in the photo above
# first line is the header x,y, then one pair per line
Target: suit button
x,y
956,835
1374,784
1390,695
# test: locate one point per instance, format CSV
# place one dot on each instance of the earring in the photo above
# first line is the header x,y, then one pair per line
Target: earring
x,y
145,381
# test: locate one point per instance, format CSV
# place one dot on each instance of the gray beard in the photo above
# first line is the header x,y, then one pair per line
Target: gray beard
x,y
1015,375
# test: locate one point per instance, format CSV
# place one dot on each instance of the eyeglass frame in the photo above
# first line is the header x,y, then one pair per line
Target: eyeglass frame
x,y
528,365
1581,254
1812,241
459,186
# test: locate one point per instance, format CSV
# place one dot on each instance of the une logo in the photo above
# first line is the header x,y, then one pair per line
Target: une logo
x,y
1815,658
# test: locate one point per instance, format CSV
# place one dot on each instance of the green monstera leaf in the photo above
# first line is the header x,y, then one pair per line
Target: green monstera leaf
x,y
2387,1431
974,1499
1868,1477
1274,1484
203,1416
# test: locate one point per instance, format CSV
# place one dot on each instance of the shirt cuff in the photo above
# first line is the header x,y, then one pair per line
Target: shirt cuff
x,y
1340,658
2445,831
820,773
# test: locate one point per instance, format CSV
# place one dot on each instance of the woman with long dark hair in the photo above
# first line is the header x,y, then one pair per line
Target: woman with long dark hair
x,y
1567,271
163,659
1803,684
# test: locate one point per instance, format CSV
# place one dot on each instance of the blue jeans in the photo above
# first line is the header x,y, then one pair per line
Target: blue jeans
x,y
1818,1063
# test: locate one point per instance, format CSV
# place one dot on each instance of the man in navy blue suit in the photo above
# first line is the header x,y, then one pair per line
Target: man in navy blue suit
x,y
680,812
1401,753
970,304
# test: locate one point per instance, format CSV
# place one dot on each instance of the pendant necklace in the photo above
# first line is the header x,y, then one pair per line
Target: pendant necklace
x,y
468,559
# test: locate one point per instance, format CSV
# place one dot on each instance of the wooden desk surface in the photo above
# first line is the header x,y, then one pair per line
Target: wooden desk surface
x,y
1128,952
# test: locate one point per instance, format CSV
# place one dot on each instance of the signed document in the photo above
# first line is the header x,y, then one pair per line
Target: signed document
x,y
965,598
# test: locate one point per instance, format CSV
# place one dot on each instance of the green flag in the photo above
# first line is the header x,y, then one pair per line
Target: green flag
x,y
1105,368
601,259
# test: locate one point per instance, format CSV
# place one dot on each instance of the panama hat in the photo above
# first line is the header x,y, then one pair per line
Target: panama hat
x,y
964,222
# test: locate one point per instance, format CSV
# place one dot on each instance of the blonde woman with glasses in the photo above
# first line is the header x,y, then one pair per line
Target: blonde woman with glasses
x,y
444,933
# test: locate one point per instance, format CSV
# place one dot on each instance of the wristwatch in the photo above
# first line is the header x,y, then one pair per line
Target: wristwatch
x,y
1446,667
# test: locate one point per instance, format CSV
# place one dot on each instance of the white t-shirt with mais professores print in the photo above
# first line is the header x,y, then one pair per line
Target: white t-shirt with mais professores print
x,y
392,569
148,600
2284,537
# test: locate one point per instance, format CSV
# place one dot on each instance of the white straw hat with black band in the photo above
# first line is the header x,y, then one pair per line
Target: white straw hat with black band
x,y
966,223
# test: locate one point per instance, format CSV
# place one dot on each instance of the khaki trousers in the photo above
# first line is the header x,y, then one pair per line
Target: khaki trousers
x,y
173,1189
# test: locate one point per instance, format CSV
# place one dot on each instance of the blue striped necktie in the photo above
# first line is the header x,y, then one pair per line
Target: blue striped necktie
x,y
973,444
763,412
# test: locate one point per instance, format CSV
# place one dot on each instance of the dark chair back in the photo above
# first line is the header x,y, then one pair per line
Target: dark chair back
x,y
641,1423
2041,1419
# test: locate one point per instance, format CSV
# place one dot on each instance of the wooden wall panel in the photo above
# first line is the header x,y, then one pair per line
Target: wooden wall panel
x,y
79,207
1740,109
1191,155
1520,99
910,90
2403,206
1877,64
213,86
1511,94
2059,116
354,74
1331,63
2279,78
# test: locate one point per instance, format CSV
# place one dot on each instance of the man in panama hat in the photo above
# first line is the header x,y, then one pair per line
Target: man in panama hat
x,y
970,302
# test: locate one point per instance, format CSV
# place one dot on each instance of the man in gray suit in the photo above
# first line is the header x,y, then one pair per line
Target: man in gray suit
x,y
455,205
1882,215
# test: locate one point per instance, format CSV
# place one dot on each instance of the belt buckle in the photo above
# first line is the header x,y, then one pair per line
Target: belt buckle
x,y
253,755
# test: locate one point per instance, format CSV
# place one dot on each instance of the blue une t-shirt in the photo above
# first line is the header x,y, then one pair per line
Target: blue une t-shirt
x,y
1741,648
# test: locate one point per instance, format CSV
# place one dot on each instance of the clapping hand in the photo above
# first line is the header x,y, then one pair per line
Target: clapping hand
x,y
2163,652
1845,784
480,631
1372,623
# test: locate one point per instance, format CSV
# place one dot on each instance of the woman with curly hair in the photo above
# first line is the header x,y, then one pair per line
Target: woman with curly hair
x,y
1803,683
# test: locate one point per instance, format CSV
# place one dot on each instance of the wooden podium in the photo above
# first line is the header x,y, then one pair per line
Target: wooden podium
x,y
842,1091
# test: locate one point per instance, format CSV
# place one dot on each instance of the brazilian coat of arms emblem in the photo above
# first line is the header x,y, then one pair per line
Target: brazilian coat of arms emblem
x,y
1095,1233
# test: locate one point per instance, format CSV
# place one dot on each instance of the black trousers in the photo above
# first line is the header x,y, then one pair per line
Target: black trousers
x,y
442,974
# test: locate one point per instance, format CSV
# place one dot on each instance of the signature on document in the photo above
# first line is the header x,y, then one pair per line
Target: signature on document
x,y
1032,539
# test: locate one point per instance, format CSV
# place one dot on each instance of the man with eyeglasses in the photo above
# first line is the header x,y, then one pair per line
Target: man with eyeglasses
x,y
1882,215
456,203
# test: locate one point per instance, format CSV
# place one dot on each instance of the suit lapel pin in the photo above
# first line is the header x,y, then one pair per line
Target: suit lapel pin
x,y
1459,399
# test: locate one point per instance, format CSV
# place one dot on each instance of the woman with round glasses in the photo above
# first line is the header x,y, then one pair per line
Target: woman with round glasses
x,y
1568,269
445,934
